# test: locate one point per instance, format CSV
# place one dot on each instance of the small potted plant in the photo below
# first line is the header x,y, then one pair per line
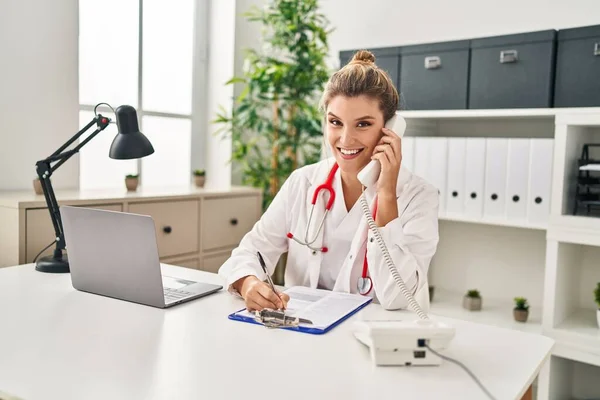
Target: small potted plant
x,y
199,177
131,182
597,298
521,310
37,186
472,300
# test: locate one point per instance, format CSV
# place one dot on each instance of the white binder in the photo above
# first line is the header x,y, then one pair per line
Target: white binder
x,y
421,157
517,180
438,164
495,177
474,176
540,180
455,187
408,152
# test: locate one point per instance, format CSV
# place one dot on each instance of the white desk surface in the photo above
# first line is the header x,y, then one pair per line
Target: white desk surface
x,y
59,343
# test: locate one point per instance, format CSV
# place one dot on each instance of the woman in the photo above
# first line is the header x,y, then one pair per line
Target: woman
x,y
357,101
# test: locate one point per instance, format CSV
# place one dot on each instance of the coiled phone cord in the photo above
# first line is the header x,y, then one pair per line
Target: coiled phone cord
x,y
388,259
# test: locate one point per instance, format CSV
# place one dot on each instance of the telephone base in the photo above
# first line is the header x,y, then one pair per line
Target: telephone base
x,y
403,342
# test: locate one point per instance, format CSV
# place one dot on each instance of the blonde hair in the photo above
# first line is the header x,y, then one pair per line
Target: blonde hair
x,y
361,76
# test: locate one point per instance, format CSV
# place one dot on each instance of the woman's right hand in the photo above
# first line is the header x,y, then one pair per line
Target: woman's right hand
x,y
258,294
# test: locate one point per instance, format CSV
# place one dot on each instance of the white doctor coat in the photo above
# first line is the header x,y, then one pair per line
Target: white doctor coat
x,y
411,239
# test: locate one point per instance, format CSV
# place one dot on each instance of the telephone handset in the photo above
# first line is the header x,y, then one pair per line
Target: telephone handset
x,y
369,174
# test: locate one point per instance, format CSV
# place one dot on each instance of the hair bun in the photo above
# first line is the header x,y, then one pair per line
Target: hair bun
x,y
363,56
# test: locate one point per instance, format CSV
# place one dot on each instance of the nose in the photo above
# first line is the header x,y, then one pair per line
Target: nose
x,y
347,136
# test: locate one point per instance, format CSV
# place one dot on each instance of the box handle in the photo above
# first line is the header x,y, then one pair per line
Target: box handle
x,y
597,49
508,56
433,62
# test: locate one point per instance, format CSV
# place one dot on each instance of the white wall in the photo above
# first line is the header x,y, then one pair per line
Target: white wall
x,y
220,68
38,88
380,23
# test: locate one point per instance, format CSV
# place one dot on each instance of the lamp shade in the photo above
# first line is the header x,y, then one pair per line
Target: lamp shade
x,y
129,142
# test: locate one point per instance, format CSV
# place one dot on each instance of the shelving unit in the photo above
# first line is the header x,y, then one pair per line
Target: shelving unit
x,y
494,312
494,222
553,263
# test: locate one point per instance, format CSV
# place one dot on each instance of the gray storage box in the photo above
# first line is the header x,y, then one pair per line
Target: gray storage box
x,y
435,76
578,68
513,71
387,58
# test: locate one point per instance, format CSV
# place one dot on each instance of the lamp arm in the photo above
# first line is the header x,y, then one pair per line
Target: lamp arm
x,y
75,137
45,169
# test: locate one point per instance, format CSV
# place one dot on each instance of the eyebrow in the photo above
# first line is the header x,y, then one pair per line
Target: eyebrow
x,y
357,119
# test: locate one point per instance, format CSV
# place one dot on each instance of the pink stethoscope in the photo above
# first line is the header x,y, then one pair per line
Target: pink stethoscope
x,y
364,284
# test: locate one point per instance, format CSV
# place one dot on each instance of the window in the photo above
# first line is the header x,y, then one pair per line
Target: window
x,y
140,53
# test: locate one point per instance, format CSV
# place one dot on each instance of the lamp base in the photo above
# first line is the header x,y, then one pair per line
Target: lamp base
x,y
52,265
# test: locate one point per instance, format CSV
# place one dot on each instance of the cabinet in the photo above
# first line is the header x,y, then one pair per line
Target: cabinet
x,y
538,250
435,76
522,67
195,228
578,67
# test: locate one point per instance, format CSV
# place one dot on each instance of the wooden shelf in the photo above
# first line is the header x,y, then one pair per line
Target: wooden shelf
x,y
493,312
575,229
578,337
492,221
497,113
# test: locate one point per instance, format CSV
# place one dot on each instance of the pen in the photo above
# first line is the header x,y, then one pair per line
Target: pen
x,y
264,267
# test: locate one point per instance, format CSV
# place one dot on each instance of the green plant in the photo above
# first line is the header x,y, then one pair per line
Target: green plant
x,y
597,294
473,293
521,303
199,172
131,176
275,123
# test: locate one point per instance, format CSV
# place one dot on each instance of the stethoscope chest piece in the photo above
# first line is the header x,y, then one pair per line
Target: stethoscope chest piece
x,y
364,285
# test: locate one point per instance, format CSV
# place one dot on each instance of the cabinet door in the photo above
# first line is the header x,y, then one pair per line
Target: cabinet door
x,y
212,262
40,232
192,262
176,224
226,220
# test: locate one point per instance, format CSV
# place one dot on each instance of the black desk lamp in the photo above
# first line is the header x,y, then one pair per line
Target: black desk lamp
x,y
129,143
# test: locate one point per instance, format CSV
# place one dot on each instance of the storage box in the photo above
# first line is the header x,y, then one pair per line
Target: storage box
x,y
435,76
513,71
387,58
578,68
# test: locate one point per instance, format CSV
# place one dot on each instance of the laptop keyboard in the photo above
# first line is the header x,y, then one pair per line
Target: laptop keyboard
x,y
175,294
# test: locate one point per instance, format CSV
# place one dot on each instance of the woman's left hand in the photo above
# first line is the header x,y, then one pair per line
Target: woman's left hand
x,y
389,153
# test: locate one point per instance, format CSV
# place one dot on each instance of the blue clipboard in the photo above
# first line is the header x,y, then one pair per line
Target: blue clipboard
x,y
304,329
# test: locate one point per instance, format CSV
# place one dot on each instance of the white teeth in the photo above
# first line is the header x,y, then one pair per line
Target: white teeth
x,y
349,152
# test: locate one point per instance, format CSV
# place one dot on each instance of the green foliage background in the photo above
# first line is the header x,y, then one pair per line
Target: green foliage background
x,y
275,124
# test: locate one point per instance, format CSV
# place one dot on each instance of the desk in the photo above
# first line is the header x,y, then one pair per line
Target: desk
x,y
57,343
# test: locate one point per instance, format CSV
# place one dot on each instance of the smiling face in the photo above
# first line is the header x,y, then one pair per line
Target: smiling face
x,y
353,130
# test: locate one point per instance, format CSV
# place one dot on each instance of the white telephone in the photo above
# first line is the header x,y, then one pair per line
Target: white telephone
x,y
369,174
398,342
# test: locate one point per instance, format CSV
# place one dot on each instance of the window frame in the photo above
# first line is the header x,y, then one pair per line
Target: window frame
x,y
197,116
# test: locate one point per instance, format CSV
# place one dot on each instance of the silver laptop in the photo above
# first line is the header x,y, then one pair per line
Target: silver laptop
x,y
115,254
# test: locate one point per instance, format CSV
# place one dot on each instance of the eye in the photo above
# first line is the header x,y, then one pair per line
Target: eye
x,y
364,124
335,122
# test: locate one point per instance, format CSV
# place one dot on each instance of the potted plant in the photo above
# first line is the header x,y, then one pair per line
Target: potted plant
x,y
275,124
472,300
597,298
199,177
37,186
131,182
521,310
